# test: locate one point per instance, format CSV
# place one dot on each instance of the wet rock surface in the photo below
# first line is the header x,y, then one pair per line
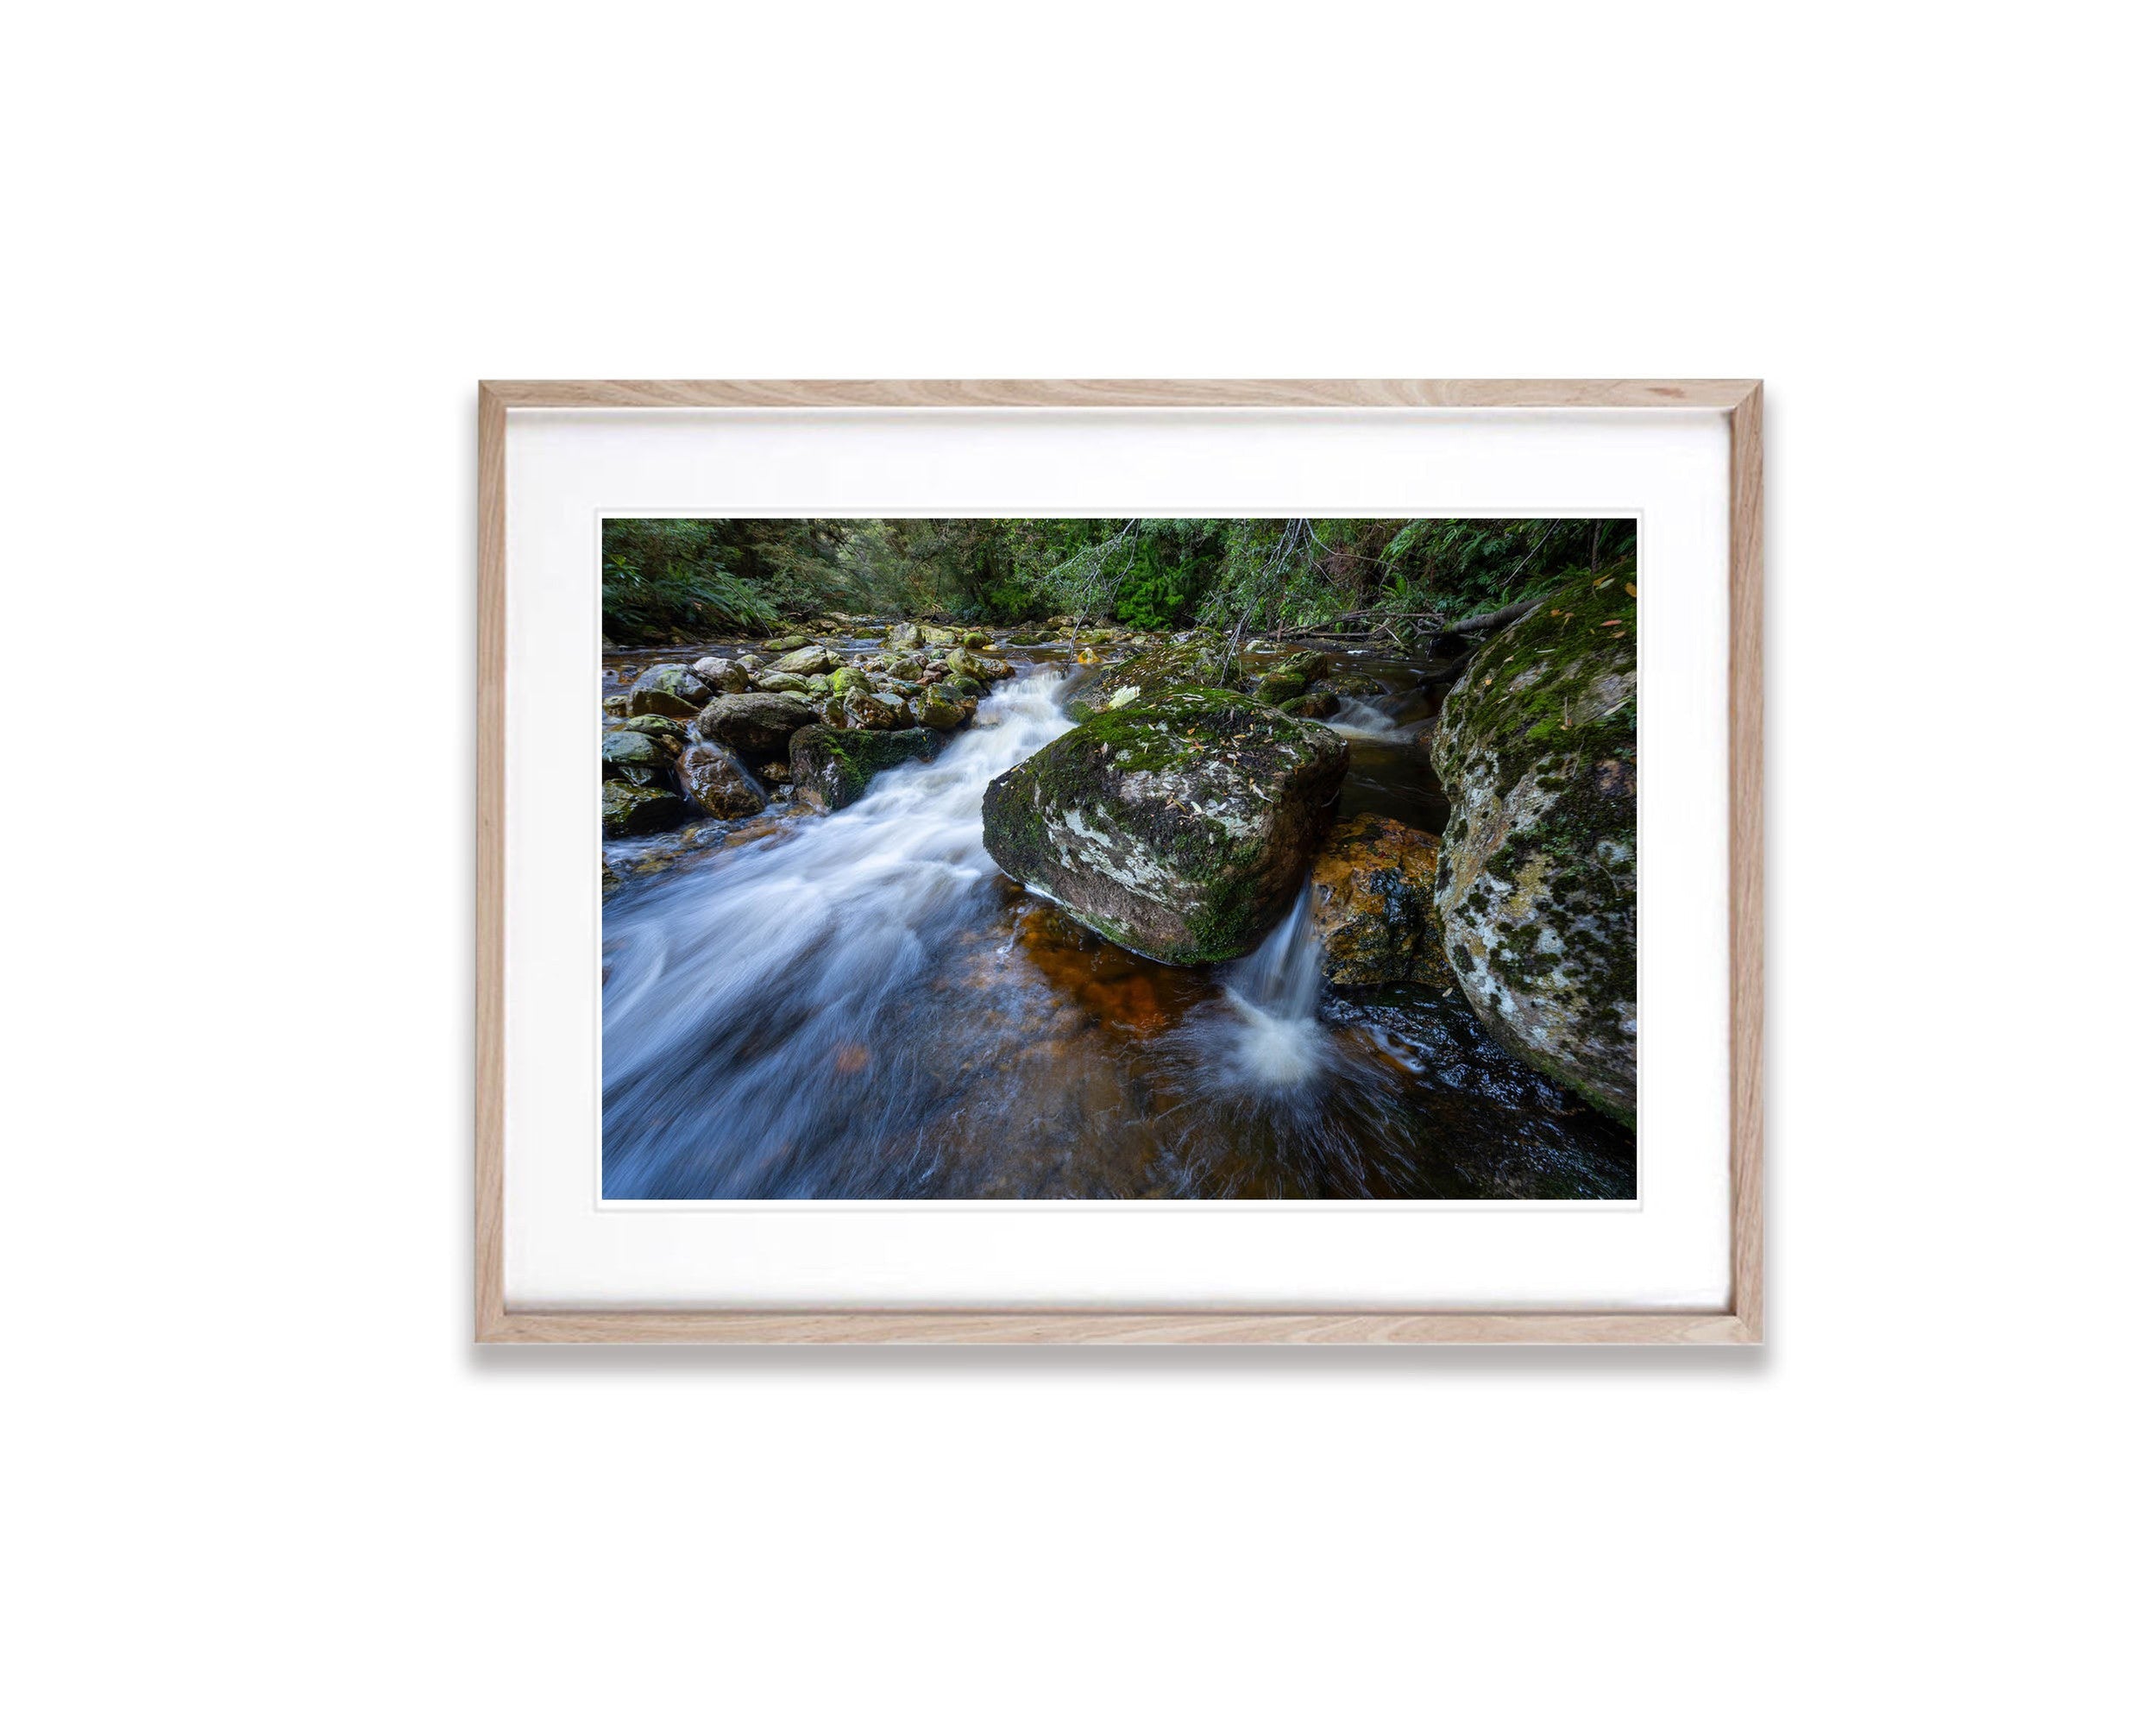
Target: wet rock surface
x,y
1179,827
1373,891
718,782
831,768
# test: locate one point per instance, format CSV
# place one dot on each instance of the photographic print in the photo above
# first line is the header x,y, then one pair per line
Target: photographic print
x,y
1203,858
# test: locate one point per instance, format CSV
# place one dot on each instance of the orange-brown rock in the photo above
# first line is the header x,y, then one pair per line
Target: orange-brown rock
x,y
1373,903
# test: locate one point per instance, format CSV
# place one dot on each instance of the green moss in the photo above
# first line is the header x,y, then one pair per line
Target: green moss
x,y
1193,787
1538,748
834,766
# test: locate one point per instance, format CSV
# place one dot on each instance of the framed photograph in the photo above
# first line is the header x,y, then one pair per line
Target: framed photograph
x,y
1090,861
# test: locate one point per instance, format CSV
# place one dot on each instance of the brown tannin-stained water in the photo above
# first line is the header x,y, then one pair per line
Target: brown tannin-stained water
x,y
861,1005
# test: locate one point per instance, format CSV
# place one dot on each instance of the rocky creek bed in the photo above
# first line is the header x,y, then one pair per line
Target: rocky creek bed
x,y
827,976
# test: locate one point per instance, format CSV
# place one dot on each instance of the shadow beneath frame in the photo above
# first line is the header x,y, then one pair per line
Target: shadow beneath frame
x,y
1127,1361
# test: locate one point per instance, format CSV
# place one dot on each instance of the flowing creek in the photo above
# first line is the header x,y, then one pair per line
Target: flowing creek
x,y
861,1005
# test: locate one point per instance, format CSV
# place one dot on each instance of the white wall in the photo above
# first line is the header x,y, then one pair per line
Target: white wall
x,y
260,254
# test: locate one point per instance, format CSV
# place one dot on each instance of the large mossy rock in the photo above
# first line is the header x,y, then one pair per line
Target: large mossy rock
x,y
1536,746
756,725
1373,888
1180,828
672,690
831,768
626,810
713,777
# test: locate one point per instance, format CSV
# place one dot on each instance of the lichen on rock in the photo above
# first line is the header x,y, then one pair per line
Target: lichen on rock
x,y
1537,747
1180,828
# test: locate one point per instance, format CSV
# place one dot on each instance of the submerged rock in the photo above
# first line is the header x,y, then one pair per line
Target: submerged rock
x,y
755,724
673,690
713,777
1178,827
1537,750
626,809
1372,904
831,768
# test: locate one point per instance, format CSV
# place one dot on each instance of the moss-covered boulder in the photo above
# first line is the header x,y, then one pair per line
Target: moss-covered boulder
x,y
632,758
868,709
965,662
755,725
1373,888
672,690
902,637
670,735
939,711
717,781
806,662
720,677
831,768
626,810
1536,746
785,644
1321,703
1180,828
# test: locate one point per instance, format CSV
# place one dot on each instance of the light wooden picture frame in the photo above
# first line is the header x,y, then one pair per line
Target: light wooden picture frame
x,y
1739,401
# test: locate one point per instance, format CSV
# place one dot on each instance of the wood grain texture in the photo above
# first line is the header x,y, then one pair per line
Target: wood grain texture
x,y
1719,393
487,1264
1355,1328
1743,1323
1747,865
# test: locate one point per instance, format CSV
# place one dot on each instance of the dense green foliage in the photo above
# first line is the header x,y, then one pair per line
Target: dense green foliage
x,y
667,580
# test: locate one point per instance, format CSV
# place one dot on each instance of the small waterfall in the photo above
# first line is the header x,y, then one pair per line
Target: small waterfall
x,y
1361,718
1277,1042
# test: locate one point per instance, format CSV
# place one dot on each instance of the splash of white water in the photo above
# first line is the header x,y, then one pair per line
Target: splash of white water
x,y
1361,718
